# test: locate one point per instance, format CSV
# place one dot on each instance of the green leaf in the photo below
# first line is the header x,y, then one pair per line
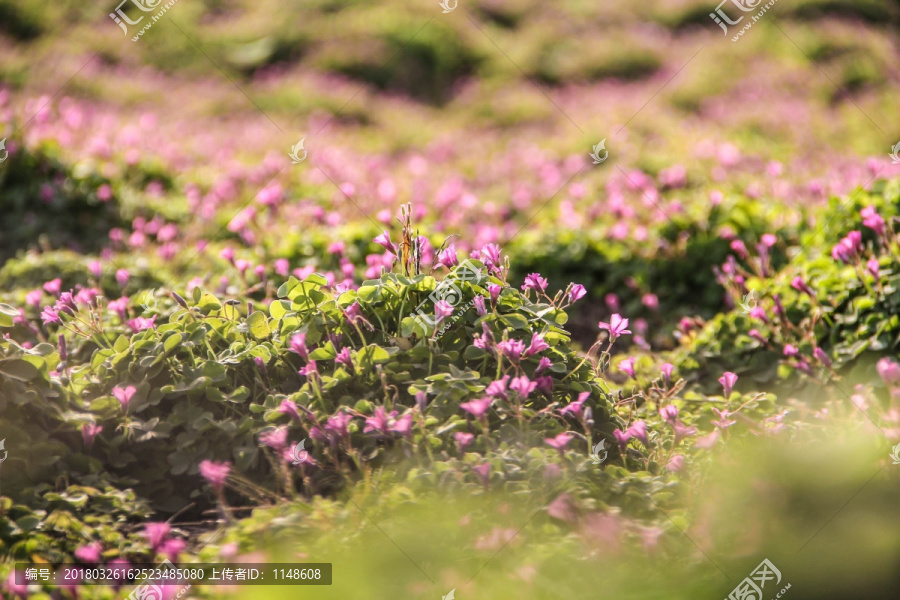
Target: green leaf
x,y
7,314
316,279
172,342
373,354
515,320
19,369
208,303
279,308
259,325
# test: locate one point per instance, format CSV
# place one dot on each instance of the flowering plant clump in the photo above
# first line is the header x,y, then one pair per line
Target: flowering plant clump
x,y
224,391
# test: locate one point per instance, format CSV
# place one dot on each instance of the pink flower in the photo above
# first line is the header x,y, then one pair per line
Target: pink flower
x,y
490,255
612,302
848,247
442,310
122,277
822,357
650,301
756,335
282,267
494,291
353,312
543,365
33,298
758,312
738,247
669,413
480,308
309,371
124,395
343,358
667,369
522,385
577,292
403,425
90,553
627,366
535,282
798,284
289,407
379,421
88,432
576,407
484,473
638,431
889,370
337,424
676,463
18,590
872,219
141,324
728,379
448,257
537,345
622,438
560,441
477,408
120,307
275,438
298,345
172,548
512,349
617,326
724,420
156,533
707,441
497,389
215,473
50,315
384,240
463,440
53,286
872,267
790,350
227,253
544,385
682,431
